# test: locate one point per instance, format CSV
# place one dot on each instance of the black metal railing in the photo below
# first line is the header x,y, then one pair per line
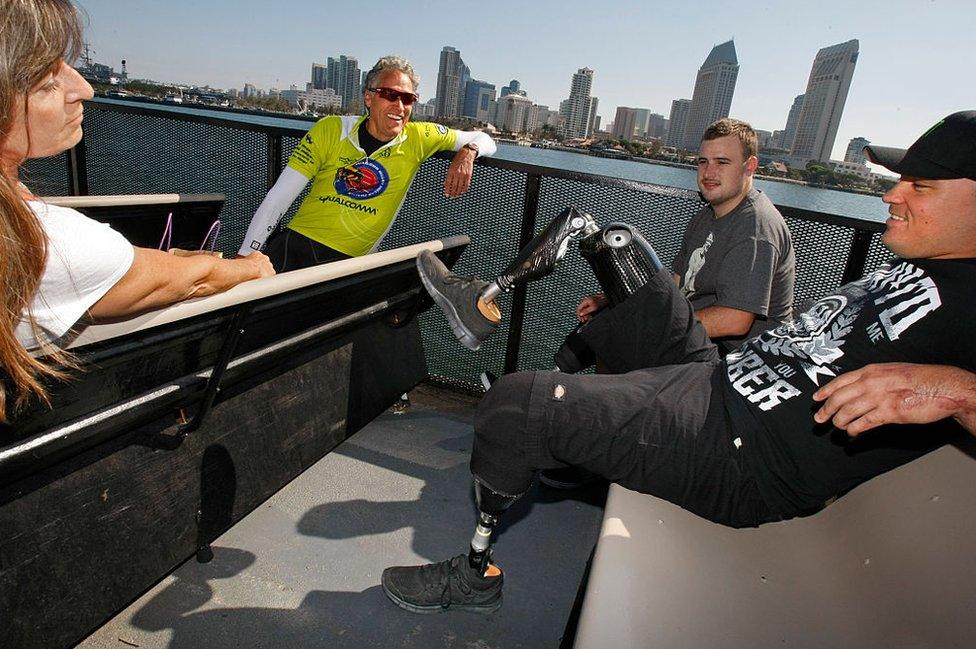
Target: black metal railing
x,y
141,148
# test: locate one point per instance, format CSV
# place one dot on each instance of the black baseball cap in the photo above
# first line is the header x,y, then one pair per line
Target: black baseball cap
x,y
947,150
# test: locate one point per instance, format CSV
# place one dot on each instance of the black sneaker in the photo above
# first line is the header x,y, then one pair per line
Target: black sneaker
x,y
567,478
458,299
436,587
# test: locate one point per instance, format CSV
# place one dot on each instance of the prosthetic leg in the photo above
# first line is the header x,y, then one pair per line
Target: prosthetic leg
x,y
491,505
540,256
622,261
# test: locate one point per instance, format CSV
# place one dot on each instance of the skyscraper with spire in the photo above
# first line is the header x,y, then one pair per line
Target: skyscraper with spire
x,y
823,103
714,88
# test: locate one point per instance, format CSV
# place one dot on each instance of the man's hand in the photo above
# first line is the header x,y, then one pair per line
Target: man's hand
x,y
898,393
589,306
459,173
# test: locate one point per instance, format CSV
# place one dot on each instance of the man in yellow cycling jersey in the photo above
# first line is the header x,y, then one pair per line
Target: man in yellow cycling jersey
x,y
360,168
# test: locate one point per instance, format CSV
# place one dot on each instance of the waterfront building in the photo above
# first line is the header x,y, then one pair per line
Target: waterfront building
x,y
677,121
312,97
640,122
320,76
249,91
859,169
712,98
823,103
512,113
578,110
537,117
513,88
478,96
424,111
343,76
625,125
593,124
764,138
657,127
452,74
789,132
855,150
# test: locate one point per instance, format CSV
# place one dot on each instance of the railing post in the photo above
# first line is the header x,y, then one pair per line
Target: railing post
x,y
76,158
274,158
857,256
530,208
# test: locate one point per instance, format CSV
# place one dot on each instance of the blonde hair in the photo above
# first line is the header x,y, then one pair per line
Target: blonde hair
x,y
35,36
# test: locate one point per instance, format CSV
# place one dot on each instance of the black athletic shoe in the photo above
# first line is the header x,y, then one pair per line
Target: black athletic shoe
x,y
458,299
567,478
436,587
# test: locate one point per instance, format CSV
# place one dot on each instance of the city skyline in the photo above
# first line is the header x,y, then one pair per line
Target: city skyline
x,y
642,57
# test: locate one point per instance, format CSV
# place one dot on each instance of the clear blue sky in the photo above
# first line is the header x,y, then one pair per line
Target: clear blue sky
x,y
917,58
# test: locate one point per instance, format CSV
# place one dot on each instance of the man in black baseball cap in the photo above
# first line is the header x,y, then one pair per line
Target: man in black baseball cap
x,y
733,440
945,151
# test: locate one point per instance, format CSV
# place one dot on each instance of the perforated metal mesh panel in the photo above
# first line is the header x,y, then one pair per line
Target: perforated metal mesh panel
x,y
490,213
46,176
145,153
138,154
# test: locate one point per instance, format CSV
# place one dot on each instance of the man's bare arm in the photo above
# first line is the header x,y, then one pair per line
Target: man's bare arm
x,y
723,321
898,393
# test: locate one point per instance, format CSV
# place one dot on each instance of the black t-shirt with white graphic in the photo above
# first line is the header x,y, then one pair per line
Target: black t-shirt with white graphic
x,y
912,311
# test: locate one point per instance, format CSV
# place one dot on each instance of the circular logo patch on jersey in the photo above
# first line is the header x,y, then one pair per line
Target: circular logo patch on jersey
x,y
362,180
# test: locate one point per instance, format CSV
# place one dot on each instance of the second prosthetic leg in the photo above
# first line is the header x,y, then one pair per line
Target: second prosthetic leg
x,y
622,261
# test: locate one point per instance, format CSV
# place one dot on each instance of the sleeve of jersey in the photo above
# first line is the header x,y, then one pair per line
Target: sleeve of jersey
x,y
307,156
435,137
746,277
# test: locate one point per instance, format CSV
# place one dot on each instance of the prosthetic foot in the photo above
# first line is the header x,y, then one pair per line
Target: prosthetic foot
x,y
467,583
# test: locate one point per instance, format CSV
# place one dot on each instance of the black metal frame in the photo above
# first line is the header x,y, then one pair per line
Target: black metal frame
x,y
854,265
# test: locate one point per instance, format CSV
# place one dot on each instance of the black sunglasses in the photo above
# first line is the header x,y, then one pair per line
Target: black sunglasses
x,y
390,94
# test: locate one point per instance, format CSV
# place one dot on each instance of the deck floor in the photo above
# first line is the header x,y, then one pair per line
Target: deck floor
x,y
303,569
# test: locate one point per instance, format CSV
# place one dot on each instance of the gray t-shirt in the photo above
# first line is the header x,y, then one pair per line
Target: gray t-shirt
x,y
743,260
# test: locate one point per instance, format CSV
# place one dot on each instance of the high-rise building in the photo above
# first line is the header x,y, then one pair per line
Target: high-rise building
x,y
712,98
451,75
677,121
855,150
512,112
657,126
625,123
477,98
790,131
319,76
343,76
576,110
640,122
593,123
823,102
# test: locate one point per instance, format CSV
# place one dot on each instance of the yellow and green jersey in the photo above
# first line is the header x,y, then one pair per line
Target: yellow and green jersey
x,y
354,198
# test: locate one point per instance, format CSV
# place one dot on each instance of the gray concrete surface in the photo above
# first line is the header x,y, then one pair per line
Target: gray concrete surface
x,y
303,569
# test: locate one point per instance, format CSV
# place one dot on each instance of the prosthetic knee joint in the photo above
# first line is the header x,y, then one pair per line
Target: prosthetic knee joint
x,y
491,504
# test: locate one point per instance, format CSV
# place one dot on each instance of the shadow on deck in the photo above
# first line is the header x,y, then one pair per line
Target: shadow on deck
x,y
303,569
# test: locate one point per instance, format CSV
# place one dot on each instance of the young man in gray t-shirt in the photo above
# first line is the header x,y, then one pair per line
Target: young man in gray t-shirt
x,y
736,264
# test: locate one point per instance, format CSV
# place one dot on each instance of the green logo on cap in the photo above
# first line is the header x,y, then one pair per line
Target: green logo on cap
x,y
934,126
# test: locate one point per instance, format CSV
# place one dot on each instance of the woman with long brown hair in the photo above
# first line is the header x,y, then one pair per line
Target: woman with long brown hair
x,y
59,266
